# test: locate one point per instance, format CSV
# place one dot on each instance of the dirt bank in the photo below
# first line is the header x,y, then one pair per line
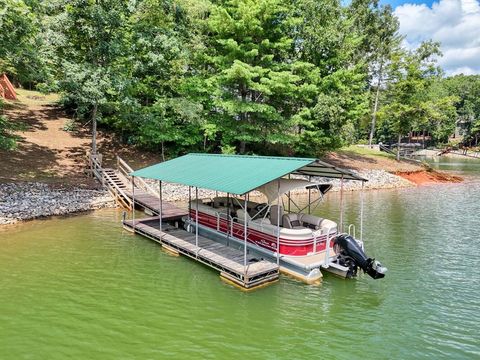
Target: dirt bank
x,y
424,177
51,149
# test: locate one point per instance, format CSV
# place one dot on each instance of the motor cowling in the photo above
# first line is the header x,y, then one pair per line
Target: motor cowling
x,y
350,254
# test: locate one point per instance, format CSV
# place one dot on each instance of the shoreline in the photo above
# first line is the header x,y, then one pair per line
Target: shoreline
x,y
32,200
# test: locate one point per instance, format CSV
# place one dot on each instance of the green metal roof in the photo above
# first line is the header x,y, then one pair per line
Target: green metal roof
x,y
235,174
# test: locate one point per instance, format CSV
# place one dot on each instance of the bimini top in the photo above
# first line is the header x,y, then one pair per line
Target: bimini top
x,y
237,174
281,186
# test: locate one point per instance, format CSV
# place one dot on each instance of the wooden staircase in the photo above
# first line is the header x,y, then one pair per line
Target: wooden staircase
x,y
116,181
124,189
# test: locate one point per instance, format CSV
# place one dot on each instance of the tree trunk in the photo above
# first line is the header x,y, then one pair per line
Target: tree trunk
x,y
375,105
163,151
243,116
242,147
398,146
94,129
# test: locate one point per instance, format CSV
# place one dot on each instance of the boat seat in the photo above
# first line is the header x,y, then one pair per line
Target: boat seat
x,y
263,221
274,218
292,221
312,222
241,216
329,224
221,201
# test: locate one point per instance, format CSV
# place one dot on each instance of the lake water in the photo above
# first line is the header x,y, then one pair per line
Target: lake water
x,y
80,287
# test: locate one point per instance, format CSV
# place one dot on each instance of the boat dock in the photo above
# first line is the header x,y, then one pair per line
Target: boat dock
x,y
135,193
228,261
131,193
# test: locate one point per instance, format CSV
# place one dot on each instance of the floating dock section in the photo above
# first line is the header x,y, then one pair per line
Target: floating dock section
x,y
228,261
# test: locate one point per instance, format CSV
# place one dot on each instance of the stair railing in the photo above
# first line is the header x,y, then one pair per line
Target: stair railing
x,y
125,169
107,181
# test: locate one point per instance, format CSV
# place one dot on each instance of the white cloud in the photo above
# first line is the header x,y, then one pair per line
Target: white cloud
x,y
454,23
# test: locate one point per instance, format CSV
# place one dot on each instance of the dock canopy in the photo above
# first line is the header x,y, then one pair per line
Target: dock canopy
x,y
237,174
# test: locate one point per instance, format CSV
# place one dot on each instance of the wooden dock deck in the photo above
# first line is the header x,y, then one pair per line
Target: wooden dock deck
x,y
228,261
150,203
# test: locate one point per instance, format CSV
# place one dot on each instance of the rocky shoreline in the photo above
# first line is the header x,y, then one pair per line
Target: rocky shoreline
x,y
377,179
30,200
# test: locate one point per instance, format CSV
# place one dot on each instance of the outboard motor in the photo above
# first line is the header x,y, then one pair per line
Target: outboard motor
x,y
351,255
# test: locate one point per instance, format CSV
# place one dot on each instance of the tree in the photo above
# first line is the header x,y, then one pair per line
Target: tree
x,y
380,42
255,78
467,89
328,39
18,26
92,41
407,96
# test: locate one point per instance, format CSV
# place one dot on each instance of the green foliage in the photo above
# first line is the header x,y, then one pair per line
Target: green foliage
x,y
411,100
256,81
17,24
258,76
70,126
466,89
8,139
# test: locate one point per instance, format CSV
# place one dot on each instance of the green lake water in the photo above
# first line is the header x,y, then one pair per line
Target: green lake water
x,y
82,288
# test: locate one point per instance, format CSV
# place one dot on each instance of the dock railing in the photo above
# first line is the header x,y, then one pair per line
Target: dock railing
x,y
125,169
108,182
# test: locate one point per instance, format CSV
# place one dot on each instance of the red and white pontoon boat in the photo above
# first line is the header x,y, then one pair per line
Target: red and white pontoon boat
x,y
274,227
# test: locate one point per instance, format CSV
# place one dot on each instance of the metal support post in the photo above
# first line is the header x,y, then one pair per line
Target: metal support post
x,y
160,204
189,202
245,240
278,222
362,196
229,221
341,205
196,218
289,199
133,204
309,195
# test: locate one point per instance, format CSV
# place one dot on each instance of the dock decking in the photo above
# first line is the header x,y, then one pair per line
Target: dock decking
x,y
147,201
228,261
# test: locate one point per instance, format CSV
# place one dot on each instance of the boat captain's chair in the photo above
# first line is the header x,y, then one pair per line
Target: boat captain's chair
x,y
292,221
274,218
241,216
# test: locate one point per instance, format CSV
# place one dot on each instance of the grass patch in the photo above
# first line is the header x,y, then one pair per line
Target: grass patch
x,y
30,97
364,151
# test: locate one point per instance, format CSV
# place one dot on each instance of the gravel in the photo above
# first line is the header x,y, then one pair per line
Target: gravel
x,y
377,179
24,201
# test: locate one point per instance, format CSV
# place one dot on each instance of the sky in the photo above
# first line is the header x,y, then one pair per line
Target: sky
x,y
453,23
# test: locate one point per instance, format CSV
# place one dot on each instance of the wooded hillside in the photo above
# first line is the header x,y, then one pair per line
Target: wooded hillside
x,y
291,77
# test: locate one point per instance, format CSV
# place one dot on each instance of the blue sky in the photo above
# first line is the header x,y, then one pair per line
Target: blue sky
x,y
453,23
395,3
